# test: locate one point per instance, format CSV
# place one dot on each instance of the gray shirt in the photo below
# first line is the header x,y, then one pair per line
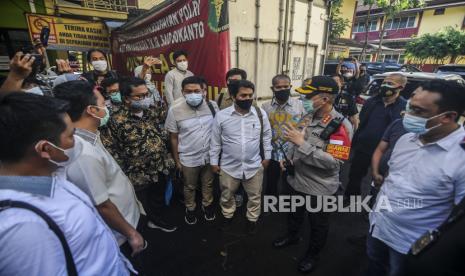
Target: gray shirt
x,y
193,126
316,171
173,81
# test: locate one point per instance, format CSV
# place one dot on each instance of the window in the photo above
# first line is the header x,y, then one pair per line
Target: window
x,y
439,11
360,26
403,23
411,22
388,24
395,24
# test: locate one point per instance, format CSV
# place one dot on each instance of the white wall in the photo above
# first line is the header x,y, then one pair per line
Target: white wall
x,y
242,14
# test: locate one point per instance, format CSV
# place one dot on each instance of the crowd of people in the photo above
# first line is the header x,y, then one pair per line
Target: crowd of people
x,y
85,168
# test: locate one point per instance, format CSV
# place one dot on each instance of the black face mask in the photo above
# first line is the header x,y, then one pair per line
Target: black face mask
x,y
282,95
244,104
387,92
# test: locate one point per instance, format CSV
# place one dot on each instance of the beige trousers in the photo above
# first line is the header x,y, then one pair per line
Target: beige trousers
x,y
191,177
253,188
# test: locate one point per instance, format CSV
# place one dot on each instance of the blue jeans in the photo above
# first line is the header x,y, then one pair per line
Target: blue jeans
x,y
383,260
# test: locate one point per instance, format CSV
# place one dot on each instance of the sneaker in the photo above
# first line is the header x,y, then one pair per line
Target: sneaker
x,y
208,213
162,225
239,199
190,217
251,227
226,223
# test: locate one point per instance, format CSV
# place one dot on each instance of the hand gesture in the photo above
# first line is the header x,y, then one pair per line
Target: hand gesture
x,y
21,65
150,61
294,135
63,66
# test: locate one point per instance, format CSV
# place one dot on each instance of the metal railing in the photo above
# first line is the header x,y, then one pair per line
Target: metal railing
x,y
114,5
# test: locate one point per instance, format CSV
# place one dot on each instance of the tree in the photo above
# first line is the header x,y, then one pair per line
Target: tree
x,y
370,4
338,24
391,9
447,44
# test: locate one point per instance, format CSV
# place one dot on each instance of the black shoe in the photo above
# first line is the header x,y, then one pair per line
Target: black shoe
x,y
285,241
251,227
226,223
307,264
162,225
190,217
208,212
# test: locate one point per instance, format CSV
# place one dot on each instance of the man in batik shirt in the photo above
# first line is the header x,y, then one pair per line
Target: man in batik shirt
x,y
139,144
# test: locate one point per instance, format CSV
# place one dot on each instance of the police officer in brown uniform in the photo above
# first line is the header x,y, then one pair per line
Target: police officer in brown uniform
x,y
319,145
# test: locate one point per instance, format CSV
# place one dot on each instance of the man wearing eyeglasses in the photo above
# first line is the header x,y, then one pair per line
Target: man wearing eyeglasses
x,y
138,143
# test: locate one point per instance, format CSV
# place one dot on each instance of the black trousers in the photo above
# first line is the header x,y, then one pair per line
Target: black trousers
x,y
360,163
139,261
153,198
319,224
273,176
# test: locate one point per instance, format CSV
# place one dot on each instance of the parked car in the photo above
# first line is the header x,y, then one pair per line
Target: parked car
x,y
458,69
373,67
414,79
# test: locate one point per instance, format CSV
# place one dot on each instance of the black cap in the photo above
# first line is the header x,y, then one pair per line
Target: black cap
x,y
319,84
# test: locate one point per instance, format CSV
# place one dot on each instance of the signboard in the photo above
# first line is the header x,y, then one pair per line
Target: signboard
x,y
199,27
69,34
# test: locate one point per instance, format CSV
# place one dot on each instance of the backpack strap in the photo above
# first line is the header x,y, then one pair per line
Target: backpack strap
x,y
260,118
70,265
220,99
212,109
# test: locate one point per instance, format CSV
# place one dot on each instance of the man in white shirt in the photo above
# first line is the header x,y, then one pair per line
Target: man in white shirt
x,y
189,123
36,138
240,135
426,176
96,172
174,78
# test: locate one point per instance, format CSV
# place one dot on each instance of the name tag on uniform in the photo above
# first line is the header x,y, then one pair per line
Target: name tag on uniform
x,y
339,144
338,151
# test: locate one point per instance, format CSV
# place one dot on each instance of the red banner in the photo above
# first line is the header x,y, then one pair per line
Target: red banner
x,y
199,27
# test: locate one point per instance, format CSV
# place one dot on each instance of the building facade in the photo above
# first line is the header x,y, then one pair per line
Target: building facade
x,y
431,18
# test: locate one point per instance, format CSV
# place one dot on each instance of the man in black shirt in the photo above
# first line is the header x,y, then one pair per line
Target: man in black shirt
x,y
345,104
375,116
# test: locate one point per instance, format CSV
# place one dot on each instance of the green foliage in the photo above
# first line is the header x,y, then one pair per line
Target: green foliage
x,y
338,24
449,43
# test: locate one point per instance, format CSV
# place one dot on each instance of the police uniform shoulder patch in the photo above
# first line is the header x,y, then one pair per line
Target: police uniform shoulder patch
x,y
326,119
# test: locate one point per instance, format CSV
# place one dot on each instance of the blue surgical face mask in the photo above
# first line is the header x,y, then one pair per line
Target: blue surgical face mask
x,y
116,97
143,104
194,99
417,124
104,120
308,106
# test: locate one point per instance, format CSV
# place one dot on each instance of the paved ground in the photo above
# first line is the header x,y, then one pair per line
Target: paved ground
x,y
204,250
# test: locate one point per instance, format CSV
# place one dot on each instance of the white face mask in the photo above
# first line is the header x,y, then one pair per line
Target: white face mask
x,y
348,75
182,65
72,153
100,65
35,90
